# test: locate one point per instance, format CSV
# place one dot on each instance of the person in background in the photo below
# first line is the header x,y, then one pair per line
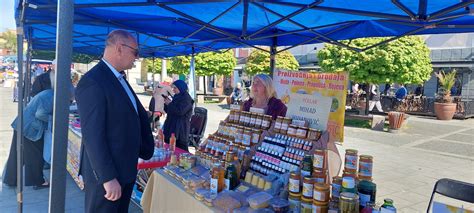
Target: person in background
x,y
179,110
419,90
263,96
35,115
115,127
386,88
401,93
161,89
375,98
236,96
355,88
43,82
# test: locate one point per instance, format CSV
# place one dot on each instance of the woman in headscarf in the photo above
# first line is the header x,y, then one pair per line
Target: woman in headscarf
x,y
35,122
179,110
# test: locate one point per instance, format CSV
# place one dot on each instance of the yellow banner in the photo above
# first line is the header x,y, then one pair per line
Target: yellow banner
x,y
318,98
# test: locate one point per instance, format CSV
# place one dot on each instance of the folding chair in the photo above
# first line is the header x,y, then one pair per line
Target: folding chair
x,y
198,126
454,189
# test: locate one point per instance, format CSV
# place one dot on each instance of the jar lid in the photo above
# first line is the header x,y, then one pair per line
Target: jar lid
x,y
351,151
321,186
306,200
348,196
320,203
308,178
366,157
336,179
295,196
320,151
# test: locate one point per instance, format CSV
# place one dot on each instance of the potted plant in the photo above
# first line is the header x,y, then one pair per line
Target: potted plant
x,y
443,106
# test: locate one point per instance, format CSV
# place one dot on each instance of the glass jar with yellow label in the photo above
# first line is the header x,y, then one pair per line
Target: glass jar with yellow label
x,y
294,182
321,192
308,183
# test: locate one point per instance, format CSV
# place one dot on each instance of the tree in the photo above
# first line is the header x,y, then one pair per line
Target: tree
x,y
154,65
50,55
259,62
405,60
9,40
206,64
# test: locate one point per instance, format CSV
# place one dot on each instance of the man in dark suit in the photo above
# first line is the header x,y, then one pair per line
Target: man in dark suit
x,y
115,128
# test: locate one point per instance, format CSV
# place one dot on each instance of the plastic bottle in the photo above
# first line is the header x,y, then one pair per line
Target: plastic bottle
x,y
172,142
388,206
217,178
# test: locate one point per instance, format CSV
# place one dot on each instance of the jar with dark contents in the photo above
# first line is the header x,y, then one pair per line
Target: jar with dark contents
x,y
258,121
284,125
302,132
280,205
253,119
292,130
277,126
336,187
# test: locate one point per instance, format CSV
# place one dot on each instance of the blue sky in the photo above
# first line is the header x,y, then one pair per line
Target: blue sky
x,y
7,15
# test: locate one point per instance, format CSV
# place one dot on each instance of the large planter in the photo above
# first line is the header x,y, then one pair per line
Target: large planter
x,y
444,111
395,120
218,90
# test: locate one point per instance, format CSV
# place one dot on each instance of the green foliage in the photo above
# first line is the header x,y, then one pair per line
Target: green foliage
x,y
50,55
206,64
405,60
446,81
8,40
149,63
259,62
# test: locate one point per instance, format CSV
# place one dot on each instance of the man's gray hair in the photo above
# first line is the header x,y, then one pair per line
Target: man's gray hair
x,y
117,35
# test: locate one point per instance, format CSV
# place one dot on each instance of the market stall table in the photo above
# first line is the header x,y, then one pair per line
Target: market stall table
x,y
165,194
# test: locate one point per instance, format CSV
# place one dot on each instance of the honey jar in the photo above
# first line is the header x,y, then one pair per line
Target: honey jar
x,y
350,162
321,192
294,182
308,183
319,159
365,167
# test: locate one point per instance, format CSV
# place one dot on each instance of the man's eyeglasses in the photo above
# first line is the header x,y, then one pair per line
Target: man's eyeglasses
x,y
135,50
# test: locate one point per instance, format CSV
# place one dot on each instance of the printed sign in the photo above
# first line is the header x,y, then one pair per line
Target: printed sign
x,y
318,98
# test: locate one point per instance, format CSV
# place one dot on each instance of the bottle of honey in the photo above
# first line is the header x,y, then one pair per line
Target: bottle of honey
x,y
217,178
172,142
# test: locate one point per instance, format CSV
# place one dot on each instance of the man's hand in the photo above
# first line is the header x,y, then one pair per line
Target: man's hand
x,y
167,101
113,190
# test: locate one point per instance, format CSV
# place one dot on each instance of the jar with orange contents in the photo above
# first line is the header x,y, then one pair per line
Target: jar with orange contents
x,y
365,167
350,162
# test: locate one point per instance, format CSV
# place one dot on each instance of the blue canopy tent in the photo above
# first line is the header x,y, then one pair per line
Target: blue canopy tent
x,y
166,28
170,28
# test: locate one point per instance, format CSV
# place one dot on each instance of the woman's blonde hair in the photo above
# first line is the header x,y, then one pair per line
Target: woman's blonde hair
x,y
268,83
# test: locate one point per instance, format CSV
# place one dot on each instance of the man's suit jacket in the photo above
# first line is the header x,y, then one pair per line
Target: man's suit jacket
x,y
113,135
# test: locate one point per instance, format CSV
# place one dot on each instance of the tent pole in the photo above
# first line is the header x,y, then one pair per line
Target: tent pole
x,y
164,72
62,94
28,71
273,52
192,75
19,138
